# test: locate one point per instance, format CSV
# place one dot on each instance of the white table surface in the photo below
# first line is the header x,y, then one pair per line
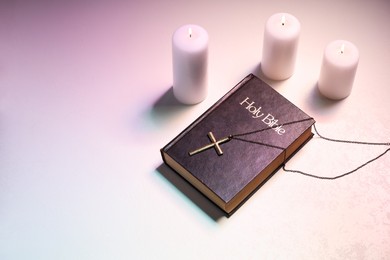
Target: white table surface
x,y
86,103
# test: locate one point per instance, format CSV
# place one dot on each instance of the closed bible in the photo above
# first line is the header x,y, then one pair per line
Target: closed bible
x,y
238,143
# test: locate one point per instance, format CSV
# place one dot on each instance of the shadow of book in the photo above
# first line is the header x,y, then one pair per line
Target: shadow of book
x,y
201,201
191,193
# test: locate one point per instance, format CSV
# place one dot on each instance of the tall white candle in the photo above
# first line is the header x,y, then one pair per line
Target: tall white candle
x,y
281,37
189,58
338,70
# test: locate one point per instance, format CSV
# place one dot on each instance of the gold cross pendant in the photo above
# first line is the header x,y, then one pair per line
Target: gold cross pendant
x,y
214,143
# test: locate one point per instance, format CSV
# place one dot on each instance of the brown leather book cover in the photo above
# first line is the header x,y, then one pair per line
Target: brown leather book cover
x,y
238,142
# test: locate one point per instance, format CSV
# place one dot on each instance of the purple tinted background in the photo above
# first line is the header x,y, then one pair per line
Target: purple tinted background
x,y
85,106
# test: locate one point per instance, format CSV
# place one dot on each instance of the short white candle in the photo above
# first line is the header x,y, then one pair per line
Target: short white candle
x,y
338,70
189,58
281,37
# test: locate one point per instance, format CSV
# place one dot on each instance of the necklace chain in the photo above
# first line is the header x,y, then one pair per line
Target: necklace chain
x,y
239,138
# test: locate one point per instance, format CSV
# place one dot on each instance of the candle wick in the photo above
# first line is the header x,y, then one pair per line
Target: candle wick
x,y
283,20
342,48
190,32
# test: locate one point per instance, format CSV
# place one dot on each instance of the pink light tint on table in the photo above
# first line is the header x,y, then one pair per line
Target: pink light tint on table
x,y
86,103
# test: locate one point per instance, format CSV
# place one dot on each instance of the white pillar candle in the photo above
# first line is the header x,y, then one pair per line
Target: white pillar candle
x,y
281,37
189,58
338,70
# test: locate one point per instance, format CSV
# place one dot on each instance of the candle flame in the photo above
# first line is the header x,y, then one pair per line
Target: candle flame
x,y
342,48
190,32
283,20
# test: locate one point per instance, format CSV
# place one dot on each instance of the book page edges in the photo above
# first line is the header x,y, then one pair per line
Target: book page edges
x,y
193,180
270,169
251,187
